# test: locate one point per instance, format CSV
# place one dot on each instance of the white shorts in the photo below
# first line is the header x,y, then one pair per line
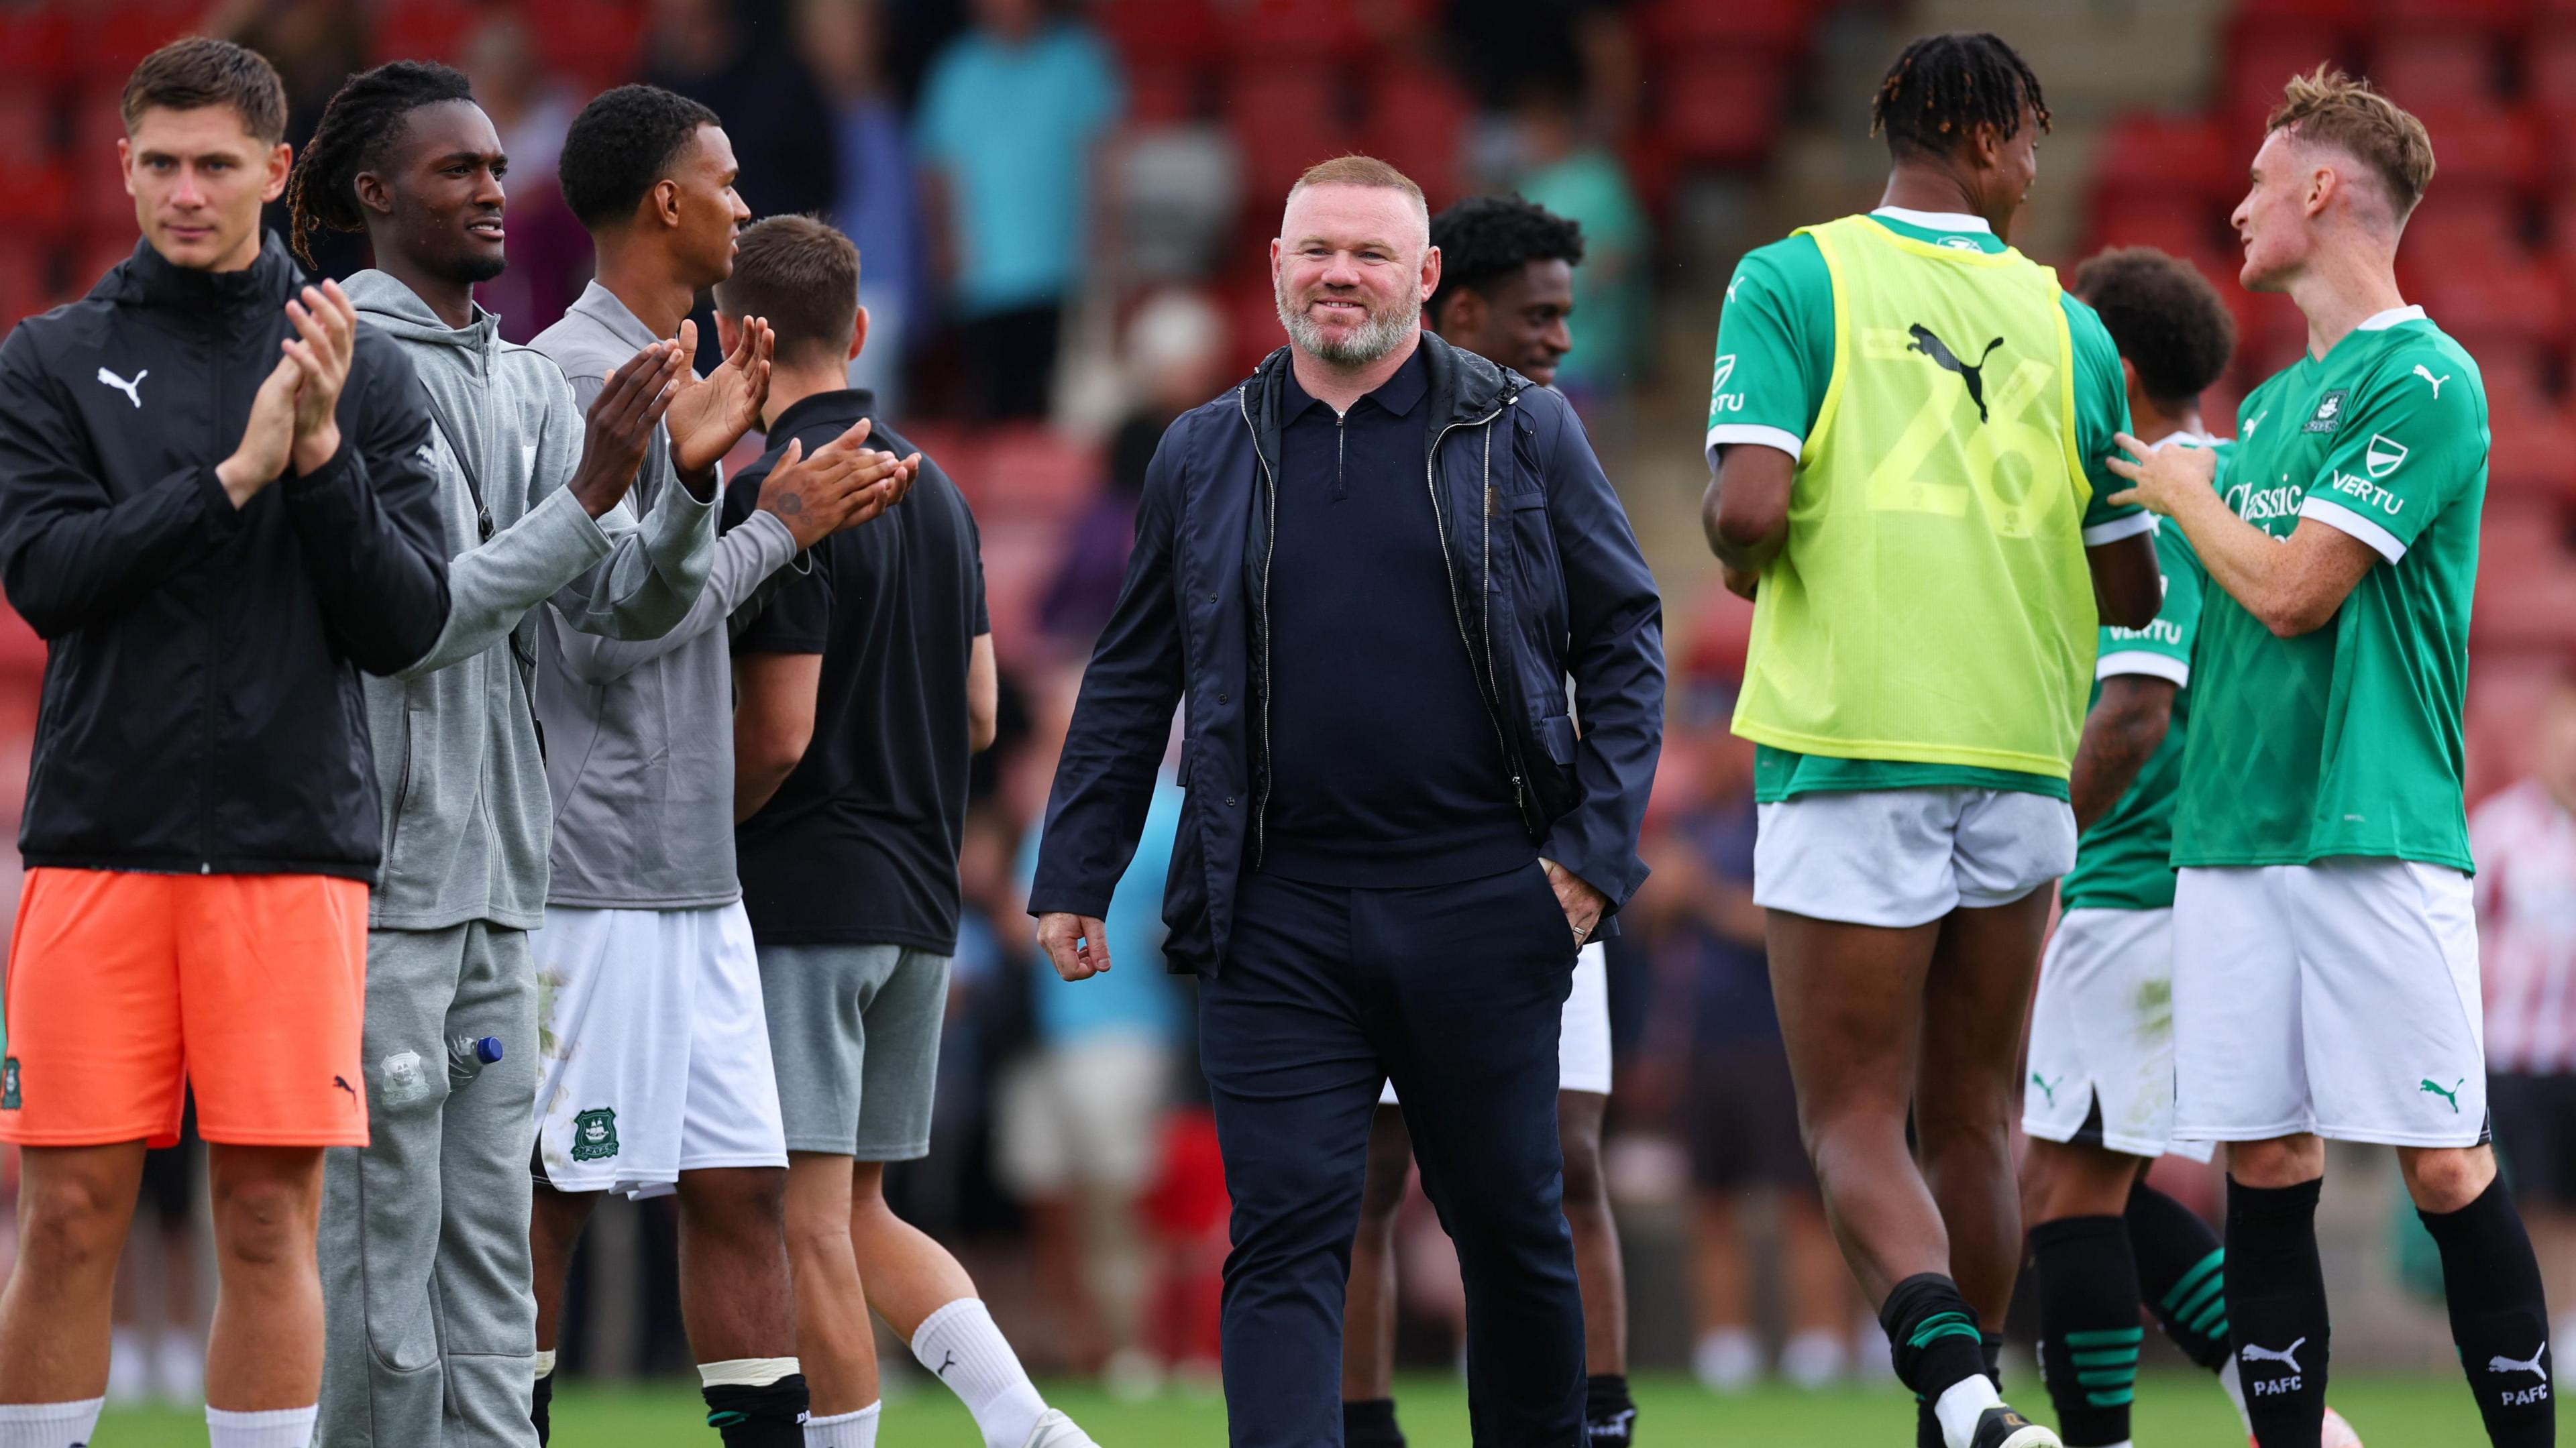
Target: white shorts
x,y
1906,857
654,1050
1582,1033
2339,998
1081,1115
2102,1037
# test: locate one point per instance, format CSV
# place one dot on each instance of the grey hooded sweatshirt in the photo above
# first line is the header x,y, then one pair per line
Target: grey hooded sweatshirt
x,y
641,733
467,812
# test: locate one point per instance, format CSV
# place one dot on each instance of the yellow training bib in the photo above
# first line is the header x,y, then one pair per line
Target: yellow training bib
x,y
1932,603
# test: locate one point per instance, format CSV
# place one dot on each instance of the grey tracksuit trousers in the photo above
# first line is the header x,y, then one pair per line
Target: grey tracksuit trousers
x,y
425,1273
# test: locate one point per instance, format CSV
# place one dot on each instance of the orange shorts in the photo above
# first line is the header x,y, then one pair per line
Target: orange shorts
x,y
125,988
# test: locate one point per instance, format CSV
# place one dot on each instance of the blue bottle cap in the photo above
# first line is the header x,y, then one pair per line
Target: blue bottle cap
x,y
488,1050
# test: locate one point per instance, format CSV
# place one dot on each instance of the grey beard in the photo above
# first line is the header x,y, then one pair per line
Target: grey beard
x,y
1381,334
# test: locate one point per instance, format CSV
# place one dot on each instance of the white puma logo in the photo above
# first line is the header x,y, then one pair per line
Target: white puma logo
x,y
133,390
2503,1364
2436,381
2286,1356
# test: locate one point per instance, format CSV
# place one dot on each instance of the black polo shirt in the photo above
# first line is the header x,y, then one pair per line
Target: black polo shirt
x,y
859,846
1385,765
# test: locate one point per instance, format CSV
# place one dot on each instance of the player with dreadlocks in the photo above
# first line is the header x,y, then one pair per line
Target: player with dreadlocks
x,y
1909,424
532,495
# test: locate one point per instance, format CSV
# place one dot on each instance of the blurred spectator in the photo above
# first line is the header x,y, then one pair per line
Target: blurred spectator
x,y
1741,1115
549,253
774,113
1080,1116
315,45
1576,47
1011,114
877,200
2525,843
1176,354
1582,180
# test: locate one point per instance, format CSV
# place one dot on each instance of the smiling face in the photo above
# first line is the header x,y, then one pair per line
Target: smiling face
x,y
198,178
1350,269
438,198
2276,220
708,213
1521,323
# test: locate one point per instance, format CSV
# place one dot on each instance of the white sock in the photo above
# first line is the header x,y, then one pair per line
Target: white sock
x,y
1960,1406
963,1349
845,1430
277,1428
2234,1387
49,1425
545,1362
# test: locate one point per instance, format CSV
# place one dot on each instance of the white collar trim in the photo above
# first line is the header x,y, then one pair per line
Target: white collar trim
x,y
1935,220
2183,435
2391,318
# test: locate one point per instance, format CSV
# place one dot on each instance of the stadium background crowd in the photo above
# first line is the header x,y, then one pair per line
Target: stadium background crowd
x,y
1057,206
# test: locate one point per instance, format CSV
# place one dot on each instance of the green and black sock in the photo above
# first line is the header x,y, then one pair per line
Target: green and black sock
x,y
2182,1274
2088,1326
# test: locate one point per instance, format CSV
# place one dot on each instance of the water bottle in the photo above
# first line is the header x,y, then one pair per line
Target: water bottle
x,y
467,1056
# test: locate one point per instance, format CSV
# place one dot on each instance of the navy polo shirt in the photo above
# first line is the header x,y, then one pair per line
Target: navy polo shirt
x,y
1386,769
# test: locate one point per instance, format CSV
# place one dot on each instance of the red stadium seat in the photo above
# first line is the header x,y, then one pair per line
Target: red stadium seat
x,y
1269,32
423,30
2171,156
1285,120
1161,93
2183,228
2451,68
2259,63
1721,108
1033,475
109,40
1160,33
1781,26
2336,13
2483,145
1417,121
35,43
595,40
2452,17
2527,459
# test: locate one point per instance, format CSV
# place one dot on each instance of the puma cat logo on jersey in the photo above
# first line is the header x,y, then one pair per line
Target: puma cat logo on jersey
x,y
133,390
2423,372
2452,1095
1971,373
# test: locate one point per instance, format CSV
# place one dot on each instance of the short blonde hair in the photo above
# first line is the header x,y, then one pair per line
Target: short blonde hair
x,y
1358,170
2329,108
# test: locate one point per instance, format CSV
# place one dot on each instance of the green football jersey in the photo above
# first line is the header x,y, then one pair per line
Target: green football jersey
x,y
1775,354
2347,740
2124,862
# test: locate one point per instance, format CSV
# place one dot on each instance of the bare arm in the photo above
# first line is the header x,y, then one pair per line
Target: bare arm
x,y
2127,585
773,722
2293,585
983,696
2125,728
1745,512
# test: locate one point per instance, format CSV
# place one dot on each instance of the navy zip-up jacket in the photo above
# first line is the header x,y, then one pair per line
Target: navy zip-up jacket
x,y
1548,583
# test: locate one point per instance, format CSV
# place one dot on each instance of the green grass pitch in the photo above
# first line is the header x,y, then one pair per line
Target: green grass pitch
x,y
2175,1410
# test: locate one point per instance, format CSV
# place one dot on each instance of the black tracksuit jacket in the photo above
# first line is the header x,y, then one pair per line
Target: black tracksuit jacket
x,y
201,709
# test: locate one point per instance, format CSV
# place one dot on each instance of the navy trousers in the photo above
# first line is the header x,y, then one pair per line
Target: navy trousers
x,y
1454,991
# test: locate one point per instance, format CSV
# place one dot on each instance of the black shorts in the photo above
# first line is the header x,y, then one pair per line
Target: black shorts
x,y
172,1176
2534,1120
1744,1121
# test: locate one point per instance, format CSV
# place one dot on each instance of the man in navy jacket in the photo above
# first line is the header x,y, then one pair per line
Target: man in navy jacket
x,y
1370,572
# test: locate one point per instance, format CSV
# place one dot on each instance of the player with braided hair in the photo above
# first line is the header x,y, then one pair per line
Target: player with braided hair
x,y
1905,410
532,498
